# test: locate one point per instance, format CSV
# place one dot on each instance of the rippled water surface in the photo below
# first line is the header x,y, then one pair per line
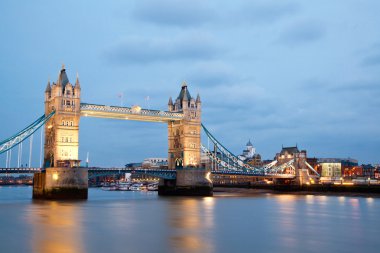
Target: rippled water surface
x,y
145,222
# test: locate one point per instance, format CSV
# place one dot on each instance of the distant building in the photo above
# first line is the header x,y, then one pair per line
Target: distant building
x,y
155,163
249,155
133,165
248,152
255,161
149,163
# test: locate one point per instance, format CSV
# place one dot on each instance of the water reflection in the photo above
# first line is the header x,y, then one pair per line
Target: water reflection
x,y
190,221
56,227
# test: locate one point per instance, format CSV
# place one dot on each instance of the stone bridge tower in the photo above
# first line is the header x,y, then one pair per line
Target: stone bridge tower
x,y
185,136
62,130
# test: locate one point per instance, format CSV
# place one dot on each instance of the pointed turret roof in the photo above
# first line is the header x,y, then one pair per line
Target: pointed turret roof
x,y
184,94
77,84
249,143
198,99
62,78
170,101
48,87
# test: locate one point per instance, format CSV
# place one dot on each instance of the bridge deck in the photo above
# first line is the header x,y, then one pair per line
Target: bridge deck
x,y
157,172
128,113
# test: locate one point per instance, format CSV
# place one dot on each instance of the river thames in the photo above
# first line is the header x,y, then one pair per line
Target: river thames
x,y
144,222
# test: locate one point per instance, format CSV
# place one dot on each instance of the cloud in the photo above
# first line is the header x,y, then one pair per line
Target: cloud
x,y
302,33
192,46
266,12
372,60
370,55
173,12
212,73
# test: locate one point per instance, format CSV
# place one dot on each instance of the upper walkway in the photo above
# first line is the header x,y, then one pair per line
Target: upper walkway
x,y
128,113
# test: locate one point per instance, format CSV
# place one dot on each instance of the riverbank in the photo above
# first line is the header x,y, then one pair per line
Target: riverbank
x,y
354,191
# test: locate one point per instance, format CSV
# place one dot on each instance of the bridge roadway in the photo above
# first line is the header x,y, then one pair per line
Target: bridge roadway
x,y
167,174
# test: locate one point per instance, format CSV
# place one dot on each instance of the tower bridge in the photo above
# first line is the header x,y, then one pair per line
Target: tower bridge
x,y
62,175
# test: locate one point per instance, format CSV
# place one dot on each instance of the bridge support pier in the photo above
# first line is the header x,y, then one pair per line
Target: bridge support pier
x,y
61,183
189,182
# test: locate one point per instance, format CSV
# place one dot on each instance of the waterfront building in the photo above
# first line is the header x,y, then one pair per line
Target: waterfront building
x,y
328,167
287,154
331,169
376,173
368,170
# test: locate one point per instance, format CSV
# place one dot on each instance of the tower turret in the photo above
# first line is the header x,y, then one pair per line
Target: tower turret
x,y
170,104
48,91
198,101
77,87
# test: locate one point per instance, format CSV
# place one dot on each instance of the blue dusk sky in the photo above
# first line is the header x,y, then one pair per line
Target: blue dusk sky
x,y
276,72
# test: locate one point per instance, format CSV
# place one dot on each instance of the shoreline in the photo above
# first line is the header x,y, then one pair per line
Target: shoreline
x,y
246,192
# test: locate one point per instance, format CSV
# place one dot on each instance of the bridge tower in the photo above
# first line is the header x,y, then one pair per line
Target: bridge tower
x,y
184,149
61,178
62,130
185,136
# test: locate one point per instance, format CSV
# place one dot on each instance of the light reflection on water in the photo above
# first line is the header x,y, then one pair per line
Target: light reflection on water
x,y
144,222
56,227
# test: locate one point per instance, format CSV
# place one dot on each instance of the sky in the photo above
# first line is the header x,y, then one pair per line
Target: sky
x,y
288,73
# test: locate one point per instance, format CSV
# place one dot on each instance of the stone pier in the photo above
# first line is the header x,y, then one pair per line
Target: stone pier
x,y
189,182
61,183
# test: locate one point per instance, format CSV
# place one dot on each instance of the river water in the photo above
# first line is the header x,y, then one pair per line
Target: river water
x,y
144,222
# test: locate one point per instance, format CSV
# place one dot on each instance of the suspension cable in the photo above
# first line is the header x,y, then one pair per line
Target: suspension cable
x,y
30,150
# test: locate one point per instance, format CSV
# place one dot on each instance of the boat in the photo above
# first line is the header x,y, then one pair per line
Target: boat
x,y
109,188
152,187
123,186
136,187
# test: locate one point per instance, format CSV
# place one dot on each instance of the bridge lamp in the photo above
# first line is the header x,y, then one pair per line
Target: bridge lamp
x,y
50,126
208,176
55,176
